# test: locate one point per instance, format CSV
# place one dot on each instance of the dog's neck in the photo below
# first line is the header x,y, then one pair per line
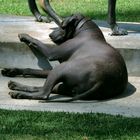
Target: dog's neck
x,y
78,29
87,24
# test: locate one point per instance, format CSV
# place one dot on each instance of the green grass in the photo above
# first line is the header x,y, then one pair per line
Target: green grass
x,y
27,125
127,10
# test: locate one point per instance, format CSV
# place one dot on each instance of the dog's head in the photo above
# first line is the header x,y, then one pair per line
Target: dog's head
x,y
70,23
67,30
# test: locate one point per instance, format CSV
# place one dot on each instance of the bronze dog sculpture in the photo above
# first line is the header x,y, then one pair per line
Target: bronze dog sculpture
x,y
45,5
90,68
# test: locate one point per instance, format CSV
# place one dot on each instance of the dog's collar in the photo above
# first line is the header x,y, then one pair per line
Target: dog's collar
x,y
80,25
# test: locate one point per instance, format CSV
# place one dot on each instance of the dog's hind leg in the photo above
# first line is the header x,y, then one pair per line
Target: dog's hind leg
x,y
20,87
27,72
54,77
58,89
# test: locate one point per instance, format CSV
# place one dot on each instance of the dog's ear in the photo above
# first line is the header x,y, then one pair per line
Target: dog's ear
x,y
68,21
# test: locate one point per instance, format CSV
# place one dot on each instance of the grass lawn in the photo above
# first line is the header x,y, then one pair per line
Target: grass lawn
x,y
127,10
27,125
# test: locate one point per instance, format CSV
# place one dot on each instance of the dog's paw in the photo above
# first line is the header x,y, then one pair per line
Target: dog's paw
x,y
117,31
44,19
12,85
10,72
24,38
16,95
19,95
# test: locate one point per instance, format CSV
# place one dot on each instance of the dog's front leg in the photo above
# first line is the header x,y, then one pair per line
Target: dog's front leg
x,y
27,72
33,8
60,53
35,44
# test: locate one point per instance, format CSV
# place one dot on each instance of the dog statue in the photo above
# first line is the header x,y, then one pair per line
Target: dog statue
x,y
45,5
89,69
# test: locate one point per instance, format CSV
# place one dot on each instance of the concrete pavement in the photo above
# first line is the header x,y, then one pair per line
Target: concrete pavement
x,y
12,52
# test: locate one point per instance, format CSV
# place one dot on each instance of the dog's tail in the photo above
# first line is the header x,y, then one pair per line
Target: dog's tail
x,y
80,96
